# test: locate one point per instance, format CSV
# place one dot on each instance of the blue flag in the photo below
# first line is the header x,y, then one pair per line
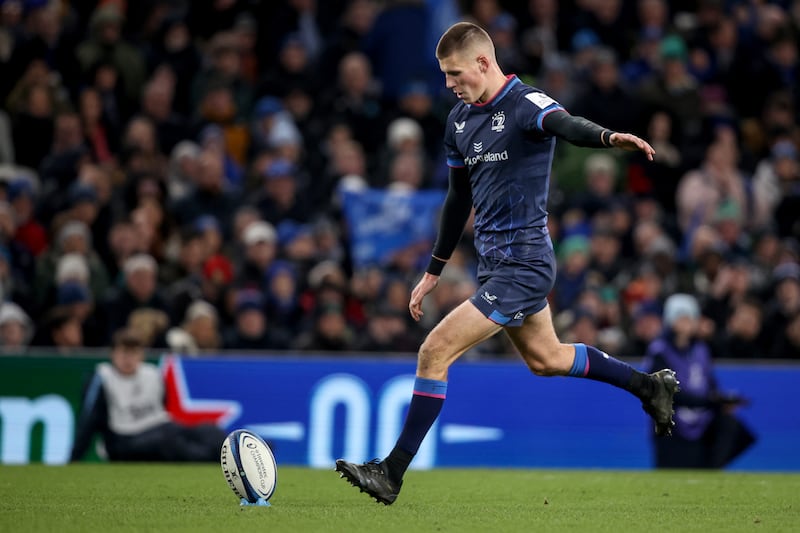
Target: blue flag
x,y
383,223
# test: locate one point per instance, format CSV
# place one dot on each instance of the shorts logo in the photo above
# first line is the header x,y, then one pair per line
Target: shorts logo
x,y
477,147
498,121
460,126
489,297
519,315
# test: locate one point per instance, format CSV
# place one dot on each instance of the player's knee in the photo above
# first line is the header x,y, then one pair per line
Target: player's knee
x,y
431,360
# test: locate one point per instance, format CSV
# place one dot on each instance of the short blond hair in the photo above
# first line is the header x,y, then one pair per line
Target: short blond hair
x,y
461,36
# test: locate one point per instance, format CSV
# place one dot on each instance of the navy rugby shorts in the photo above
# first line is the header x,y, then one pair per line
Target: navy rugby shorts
x,y
510,291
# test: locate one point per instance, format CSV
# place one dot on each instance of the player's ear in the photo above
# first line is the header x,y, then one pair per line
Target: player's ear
x,y
483,63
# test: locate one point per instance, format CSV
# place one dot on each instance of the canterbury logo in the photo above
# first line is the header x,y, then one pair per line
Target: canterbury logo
x,y
488,297
519,315
478,147
460,126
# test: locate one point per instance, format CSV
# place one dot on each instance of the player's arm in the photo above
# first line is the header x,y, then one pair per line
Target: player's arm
x,y
455,212
583,132
92,417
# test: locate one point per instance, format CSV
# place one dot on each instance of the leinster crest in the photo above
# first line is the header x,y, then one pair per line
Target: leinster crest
x,y
498,121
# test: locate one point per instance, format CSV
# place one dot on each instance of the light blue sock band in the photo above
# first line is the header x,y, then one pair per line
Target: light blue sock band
x,y
430,387
579,365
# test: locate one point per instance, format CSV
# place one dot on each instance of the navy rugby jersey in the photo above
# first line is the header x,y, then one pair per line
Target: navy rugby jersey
x,y
508,158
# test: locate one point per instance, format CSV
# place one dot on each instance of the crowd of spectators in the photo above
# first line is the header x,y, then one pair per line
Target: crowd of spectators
x,y
177,167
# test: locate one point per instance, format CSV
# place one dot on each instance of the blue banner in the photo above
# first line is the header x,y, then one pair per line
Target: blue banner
x,y
315,410
383,223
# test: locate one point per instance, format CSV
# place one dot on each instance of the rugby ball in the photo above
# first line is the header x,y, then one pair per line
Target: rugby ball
x,y
248,466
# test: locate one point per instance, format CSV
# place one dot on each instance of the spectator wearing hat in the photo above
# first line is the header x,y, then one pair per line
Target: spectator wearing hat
x,y
139,290
223,70
273,128
282,296
707,433
573,255
76,298
199,331
646,326
252,330
73,239
281,196
260,242
673,89
16,329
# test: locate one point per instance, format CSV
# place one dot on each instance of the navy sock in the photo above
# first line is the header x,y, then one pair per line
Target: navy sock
x,y
591,363
426,404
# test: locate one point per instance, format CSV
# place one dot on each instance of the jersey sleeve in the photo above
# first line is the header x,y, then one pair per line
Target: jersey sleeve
x,y
454,158
533,107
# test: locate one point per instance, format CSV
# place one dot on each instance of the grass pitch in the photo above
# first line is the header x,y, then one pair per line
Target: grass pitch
x,y
147,497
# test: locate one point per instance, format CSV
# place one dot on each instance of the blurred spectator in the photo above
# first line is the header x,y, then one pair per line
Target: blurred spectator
x,y
60,329
260,242
707,433
281,198
199,331
139,290
704,190
209,196
252,329
106,43
646,327
124,402
330,331
740,338
16,329
782,311
674,89
388,330
605,100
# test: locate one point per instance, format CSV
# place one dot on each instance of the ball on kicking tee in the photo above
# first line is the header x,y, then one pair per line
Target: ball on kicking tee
x,y
248,466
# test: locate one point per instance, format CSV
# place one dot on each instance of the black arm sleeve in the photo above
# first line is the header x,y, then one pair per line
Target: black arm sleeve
x,y
577,130
455,212
92,418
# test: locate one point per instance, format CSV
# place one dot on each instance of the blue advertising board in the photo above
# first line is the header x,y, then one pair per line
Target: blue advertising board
x,y
314,410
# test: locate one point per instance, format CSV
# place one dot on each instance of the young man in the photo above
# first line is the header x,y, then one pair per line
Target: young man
x,y
125,403
500,139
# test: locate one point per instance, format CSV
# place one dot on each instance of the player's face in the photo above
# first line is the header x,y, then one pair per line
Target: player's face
x,y
464,75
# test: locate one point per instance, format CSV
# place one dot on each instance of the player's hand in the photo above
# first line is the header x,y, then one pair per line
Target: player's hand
x,y
630,142
425,285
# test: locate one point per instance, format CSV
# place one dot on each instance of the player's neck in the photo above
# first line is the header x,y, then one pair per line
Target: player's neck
x,y
495,83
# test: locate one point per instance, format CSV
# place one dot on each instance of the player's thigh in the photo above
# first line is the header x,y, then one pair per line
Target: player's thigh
x,y
462,328
538,344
